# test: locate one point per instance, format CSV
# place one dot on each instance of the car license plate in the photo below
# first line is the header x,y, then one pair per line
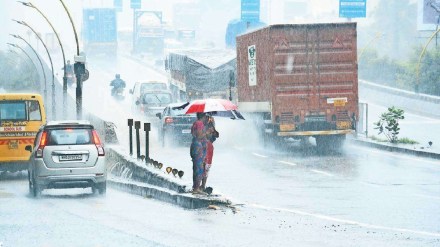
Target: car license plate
x,y
70,157
287,127
13,144
186,131
343,125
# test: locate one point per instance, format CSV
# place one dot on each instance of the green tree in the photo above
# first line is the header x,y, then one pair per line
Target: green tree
x,y
388,123
397,20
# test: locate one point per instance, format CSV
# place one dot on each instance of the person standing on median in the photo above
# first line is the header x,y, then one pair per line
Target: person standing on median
x,y
198,151
211,136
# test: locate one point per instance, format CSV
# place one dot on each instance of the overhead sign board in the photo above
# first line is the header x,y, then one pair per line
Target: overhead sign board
x,y
428,12
117,4
135,4
352,8
250,10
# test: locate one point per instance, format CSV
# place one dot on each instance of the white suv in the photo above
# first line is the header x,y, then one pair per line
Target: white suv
x,y
67,154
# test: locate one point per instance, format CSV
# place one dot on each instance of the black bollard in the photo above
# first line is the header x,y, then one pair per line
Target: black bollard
x,y
147,141
130,134
137,126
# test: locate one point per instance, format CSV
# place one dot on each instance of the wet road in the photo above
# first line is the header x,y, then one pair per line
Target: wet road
x,y
291,195
75,217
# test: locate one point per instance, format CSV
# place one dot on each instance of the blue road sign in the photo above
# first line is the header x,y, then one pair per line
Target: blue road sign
x,y
117,4
352,8
135,4
250,10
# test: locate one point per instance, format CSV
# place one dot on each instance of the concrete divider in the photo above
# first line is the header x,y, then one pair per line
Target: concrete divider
x,y
139,178
396,148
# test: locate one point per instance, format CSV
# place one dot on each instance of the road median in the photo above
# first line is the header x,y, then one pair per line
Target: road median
x,y
139,178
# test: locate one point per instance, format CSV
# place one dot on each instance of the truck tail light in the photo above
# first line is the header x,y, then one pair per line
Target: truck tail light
x,y
98,143
41,145
169,120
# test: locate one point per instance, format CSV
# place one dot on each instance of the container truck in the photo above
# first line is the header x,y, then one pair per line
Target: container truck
x,y
300,81
100,31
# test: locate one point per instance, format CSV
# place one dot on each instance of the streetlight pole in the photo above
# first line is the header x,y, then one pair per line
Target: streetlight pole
x,y
51,65
39,60
64,57
79,68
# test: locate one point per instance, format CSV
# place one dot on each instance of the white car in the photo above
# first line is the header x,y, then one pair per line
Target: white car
x,y
67,154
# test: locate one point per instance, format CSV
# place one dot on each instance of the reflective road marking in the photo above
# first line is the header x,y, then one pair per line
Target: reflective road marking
x,y
321,172
352,222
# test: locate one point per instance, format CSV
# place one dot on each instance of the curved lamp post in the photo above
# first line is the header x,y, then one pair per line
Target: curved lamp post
x,y
77,65
51,65
39,60
27,55
62,51
420,59
377,36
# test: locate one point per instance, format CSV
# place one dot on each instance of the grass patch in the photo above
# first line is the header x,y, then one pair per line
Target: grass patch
x,y
375,138
403,140
406,140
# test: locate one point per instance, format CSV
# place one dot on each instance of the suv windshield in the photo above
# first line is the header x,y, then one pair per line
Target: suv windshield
x,y
69,137
157,98
150,86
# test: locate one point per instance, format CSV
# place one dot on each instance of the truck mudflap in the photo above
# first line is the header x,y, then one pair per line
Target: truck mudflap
x,y
316,133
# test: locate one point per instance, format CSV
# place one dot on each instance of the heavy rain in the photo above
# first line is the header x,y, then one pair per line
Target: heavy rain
x,y
326,115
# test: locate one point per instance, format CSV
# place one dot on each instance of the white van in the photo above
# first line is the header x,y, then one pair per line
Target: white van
x,y
142,99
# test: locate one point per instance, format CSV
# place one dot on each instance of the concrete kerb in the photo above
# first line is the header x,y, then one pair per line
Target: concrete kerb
x,y
394,148
136,177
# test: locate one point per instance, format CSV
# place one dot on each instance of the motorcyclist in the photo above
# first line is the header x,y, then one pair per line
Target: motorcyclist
x,y
117,84
69,73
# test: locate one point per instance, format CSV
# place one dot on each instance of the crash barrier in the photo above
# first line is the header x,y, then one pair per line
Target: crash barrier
x,y
406,100
396,148
137,177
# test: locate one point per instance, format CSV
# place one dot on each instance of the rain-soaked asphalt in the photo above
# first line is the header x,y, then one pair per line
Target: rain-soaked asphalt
x,y
287,196
75,217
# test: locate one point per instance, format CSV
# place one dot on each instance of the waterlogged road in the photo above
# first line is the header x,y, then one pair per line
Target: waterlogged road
x,y
286,196
75,217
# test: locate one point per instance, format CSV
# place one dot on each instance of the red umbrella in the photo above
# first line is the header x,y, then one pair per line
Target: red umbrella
x,y
210,105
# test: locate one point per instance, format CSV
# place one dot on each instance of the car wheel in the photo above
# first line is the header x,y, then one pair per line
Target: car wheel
x,y
36,190
163,135
94,189
30,182
102,188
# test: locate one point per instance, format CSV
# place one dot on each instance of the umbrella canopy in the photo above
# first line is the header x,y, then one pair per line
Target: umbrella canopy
x,y
210,105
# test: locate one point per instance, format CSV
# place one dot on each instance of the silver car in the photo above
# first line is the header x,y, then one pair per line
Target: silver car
x,y
67,154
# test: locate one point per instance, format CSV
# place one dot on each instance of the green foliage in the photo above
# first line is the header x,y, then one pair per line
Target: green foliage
x,y
406,140
388,123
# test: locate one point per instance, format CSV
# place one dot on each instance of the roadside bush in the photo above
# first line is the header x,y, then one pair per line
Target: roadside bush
x,y
388,123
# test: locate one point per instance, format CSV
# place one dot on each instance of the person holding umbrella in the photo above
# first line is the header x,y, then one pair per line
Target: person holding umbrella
x,y
198,151
211,136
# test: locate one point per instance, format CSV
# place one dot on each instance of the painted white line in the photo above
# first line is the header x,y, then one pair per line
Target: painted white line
x,y
287,163
427,196
259,155
369,184
402,156
321,172
352,222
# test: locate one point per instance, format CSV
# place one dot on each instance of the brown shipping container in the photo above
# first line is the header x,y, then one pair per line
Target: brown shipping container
x,y
306,78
